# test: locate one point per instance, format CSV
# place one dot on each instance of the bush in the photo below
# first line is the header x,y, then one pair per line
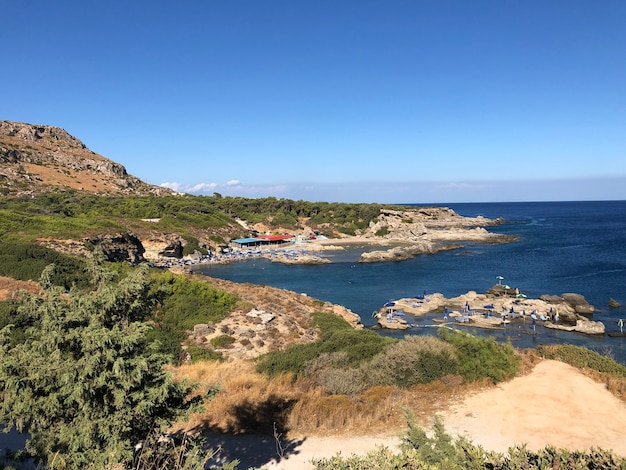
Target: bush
x,y
193,245
187,302
358,345
582,358
222,341
26,261
437,450
381,232
332,372
87,384
482,357
199,354
11,315
166,340
328,322
414,360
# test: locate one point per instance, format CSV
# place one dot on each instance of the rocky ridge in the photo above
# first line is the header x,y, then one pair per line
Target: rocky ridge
x,y
38,158
426,231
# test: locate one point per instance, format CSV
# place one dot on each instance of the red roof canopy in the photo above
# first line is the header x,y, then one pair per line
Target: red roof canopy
x,y
275,238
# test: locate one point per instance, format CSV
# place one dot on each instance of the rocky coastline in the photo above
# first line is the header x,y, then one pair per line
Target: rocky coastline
x,y
496,308
392,236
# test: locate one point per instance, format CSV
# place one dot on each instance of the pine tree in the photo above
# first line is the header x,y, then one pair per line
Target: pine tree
x,y
86,384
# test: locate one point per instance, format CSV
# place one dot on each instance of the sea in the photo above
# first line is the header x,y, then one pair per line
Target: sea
x,y
562,247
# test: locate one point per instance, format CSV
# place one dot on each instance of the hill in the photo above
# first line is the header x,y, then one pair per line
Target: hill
x,y
36,159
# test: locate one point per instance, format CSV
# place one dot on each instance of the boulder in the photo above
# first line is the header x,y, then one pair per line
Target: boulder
x,y
614,303
262,315
578,303
567,316
500,290
202,329
582,325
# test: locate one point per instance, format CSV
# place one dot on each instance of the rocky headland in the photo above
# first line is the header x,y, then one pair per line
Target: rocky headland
x,y
401,235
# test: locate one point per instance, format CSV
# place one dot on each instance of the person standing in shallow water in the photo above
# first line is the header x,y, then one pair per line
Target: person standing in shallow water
x,y
620,323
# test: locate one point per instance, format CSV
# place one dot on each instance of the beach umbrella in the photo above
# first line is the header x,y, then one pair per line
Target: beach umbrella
x,y
499,278
389,304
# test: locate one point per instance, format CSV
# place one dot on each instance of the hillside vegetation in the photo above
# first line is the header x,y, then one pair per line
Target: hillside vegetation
x,y
74,214
98,362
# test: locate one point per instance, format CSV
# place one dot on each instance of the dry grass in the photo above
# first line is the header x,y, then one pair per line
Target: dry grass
x,y
9,287
249,402
615,385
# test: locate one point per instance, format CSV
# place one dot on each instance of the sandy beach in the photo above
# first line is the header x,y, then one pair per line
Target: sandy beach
x,y
555,404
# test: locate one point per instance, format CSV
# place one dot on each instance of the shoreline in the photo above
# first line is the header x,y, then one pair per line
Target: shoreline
x,y
289,253
306,252
492,311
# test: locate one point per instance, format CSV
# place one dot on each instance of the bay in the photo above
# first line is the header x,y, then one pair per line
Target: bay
x,y
562,247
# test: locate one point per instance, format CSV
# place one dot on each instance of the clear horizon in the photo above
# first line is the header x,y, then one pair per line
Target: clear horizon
x,y
357,101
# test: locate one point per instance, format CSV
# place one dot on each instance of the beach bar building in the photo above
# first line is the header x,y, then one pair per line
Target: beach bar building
x,y
266,240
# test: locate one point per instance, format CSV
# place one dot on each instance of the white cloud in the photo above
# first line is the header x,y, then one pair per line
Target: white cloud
x,y
419,191
230,188
453,185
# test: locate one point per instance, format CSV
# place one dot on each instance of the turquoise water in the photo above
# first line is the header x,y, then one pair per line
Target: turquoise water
x,y
563,247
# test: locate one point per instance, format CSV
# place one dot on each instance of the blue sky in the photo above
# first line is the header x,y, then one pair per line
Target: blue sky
x,y
326,100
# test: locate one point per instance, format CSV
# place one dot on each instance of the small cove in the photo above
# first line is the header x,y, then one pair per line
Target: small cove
x,y
562,247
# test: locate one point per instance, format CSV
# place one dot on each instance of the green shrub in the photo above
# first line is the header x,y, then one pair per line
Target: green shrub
x,y
11,315
199,354
357,345
582,358
193,245
26,261
167,340
347,231
482,357
187,302
332,372
328,322
437,450
381,232
222,341
87,385
414,360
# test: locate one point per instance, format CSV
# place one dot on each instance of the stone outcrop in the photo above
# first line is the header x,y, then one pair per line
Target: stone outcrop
x,y
401,253
300,259
174,249
278,318
500,301
119,247
614,303
425,231
582,325
433,224
577,302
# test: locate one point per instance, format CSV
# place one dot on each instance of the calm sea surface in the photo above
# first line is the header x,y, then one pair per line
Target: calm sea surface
x,y
563,247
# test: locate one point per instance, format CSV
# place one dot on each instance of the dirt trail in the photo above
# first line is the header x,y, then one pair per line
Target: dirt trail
x,y
554,404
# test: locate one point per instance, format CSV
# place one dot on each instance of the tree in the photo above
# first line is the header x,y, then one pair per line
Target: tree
x,y
87,384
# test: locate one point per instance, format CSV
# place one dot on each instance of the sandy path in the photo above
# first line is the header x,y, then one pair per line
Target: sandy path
x,y
554,404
